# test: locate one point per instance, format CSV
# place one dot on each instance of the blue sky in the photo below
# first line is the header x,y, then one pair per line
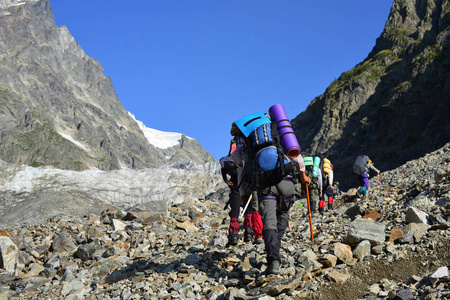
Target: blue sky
x,y
196,66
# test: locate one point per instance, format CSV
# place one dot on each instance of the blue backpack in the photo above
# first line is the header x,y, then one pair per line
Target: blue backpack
x,y
269,162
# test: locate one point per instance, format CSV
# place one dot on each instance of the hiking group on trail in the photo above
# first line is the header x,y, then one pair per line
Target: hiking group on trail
x,y
265,170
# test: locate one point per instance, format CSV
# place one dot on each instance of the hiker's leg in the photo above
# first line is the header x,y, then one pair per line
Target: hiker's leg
x,y
321,204
267,209
248,222
286,190
235,205
248,225
313,198
364,190
330,202
313,206
282,224
257,225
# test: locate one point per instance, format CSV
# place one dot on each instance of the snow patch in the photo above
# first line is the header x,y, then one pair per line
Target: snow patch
x,y
68,137
120,126
159,139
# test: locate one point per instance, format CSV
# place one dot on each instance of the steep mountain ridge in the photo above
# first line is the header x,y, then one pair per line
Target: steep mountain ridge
x,y
394,105
57,106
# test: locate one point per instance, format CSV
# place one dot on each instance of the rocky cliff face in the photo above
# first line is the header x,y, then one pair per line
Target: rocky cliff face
x,y
58,108
393,106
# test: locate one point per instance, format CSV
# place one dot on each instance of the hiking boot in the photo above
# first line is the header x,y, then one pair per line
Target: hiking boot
x,y
321,209
330,206
233,238
258,241
248,235
273,267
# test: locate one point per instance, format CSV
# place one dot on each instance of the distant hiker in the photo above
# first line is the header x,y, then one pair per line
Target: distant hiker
x,y
361,168
272,173
328,171
252,219
230,171
313,171
363,185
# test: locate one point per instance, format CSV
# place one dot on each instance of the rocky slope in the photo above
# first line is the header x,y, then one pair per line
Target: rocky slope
x,y
58,108
394,105
394,244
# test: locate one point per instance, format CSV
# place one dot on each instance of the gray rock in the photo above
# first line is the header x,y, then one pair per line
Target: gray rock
x,y
362,250
414,215
85,252
405,294
363,229
8,254
63,244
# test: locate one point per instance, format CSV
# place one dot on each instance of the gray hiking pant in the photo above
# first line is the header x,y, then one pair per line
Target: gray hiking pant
x,y
274,205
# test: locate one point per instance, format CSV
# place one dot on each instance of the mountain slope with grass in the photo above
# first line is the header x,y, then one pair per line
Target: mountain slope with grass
x,y
393,106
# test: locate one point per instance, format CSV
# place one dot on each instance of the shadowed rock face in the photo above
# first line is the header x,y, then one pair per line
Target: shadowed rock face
x,y
394,105
58,108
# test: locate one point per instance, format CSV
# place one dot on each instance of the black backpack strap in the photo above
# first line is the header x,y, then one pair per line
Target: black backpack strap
x,y
286,126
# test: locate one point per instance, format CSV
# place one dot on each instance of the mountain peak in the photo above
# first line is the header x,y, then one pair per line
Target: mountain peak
x,y
58,108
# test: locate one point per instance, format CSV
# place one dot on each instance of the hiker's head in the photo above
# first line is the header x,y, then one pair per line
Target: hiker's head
x,y
234,131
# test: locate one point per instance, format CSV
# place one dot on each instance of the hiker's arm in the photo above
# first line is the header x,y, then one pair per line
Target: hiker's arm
x,y
305,179
225,178
330,178
374,169
320,180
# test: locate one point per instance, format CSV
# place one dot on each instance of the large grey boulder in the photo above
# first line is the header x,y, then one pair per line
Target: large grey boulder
x,y
362,229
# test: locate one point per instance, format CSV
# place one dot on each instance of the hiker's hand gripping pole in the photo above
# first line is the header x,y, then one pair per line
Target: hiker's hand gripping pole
x,y
309,211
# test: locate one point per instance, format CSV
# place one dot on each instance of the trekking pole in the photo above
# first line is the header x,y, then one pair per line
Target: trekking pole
x,y
246,205
378,180
309,213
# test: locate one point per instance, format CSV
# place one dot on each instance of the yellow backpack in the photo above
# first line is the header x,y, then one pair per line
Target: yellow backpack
x,y
327,166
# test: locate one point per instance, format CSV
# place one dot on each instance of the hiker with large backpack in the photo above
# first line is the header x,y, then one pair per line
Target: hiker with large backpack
x,y
361,168
230,173
272,161
312,170
328,171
